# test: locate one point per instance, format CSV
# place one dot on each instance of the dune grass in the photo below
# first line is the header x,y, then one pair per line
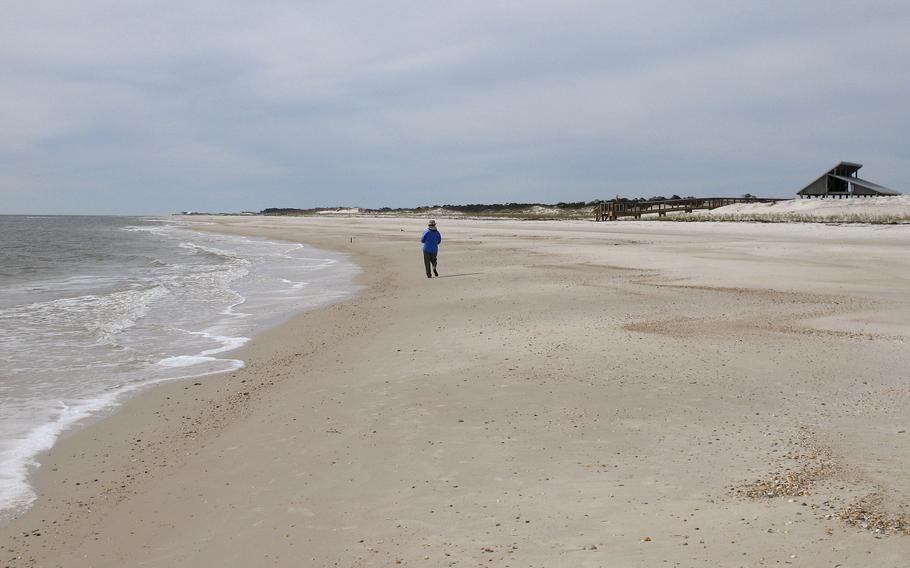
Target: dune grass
x,y
790,217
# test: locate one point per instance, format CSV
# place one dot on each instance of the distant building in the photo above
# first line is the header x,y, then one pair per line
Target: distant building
x,y
841,182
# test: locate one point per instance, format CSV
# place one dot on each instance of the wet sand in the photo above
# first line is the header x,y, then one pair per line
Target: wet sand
x,y
567,394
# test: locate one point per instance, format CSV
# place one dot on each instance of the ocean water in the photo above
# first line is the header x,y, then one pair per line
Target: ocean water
x,y
93,308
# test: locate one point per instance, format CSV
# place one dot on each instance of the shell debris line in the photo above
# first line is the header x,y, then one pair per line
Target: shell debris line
x,y
868,513
817,463
791,484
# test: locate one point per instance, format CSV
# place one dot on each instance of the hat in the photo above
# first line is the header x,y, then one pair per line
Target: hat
x,y
432,223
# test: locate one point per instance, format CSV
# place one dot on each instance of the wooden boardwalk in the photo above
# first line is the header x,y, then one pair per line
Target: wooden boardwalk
x,y
613,210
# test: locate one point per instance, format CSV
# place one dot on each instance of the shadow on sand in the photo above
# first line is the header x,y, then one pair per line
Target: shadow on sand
x,y
457,275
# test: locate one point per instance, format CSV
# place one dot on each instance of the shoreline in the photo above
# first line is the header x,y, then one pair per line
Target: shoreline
x,y
506,438
180,364
77,452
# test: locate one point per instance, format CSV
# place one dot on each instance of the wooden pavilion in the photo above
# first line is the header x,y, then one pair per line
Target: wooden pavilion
x,y
841,182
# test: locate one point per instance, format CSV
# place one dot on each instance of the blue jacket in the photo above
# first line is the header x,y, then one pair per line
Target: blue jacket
x,y
431,239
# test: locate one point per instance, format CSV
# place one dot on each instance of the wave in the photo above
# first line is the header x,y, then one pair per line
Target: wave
x,y
295,285
101,317
160,230
214,253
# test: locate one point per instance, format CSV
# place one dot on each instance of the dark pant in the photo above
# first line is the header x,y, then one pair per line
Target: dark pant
x,y
428,259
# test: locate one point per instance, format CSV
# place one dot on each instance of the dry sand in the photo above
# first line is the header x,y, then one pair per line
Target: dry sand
x,y
568,394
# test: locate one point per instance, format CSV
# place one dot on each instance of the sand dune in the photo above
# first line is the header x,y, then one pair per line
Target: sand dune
x,y
877,209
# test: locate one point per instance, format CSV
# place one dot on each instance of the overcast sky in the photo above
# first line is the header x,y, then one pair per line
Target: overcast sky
x,y
153,107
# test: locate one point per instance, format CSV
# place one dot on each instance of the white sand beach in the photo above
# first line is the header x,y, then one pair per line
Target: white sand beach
x,y
581,394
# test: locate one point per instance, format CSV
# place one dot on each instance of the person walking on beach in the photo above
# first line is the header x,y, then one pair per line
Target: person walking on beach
x,y
431,239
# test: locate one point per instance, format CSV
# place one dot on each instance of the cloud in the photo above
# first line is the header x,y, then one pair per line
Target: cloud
x,y
225,105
